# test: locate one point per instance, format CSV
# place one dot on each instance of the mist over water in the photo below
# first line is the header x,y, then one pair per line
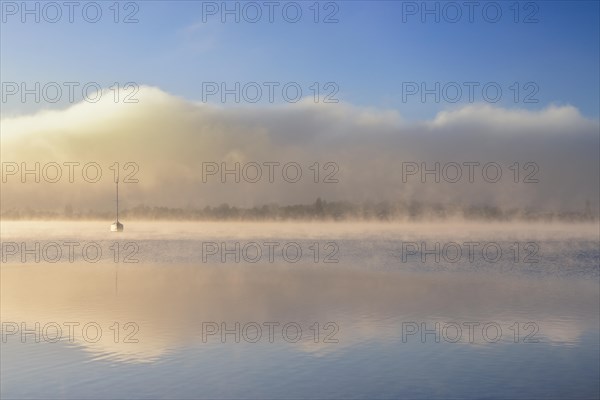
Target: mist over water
x,y
176,293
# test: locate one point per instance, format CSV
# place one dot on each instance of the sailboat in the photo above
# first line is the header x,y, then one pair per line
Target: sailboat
x,y
117,226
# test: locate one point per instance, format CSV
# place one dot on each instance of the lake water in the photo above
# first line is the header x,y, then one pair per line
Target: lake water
x,y
299,310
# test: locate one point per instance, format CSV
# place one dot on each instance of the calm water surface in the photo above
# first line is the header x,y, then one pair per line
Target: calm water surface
x,y
355,315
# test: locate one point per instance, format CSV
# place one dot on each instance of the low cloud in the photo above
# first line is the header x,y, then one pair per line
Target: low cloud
x,y
170,138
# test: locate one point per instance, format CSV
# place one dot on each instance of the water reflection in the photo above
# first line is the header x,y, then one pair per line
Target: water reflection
x,y
170,303
370,327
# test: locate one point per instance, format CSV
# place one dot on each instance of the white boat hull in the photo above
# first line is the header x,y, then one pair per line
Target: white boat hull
x,y
116,227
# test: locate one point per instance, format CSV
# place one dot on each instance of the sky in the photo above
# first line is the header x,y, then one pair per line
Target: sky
x,y
364,90
370,54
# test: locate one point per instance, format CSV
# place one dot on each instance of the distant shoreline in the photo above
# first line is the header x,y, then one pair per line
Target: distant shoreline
x,y
320,210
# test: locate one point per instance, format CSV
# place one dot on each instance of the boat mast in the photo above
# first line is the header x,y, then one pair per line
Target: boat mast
x,y
117,199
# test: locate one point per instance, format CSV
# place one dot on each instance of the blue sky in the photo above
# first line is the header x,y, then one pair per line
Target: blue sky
x,y
369,53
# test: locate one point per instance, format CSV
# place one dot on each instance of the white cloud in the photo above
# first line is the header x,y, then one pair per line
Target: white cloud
x,y
170,138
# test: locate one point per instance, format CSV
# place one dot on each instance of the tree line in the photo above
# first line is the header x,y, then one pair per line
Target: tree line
x,y
320,210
